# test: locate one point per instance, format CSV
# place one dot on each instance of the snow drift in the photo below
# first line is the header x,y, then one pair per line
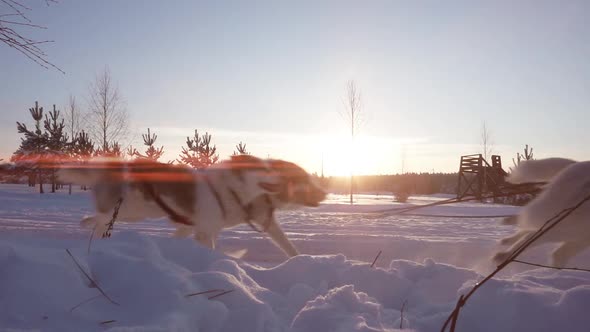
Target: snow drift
x,y
150,278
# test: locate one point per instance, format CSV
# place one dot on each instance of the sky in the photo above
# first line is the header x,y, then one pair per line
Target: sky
x,y
273,74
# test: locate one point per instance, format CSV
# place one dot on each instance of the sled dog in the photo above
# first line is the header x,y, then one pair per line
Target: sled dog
x,y
201,203
568,182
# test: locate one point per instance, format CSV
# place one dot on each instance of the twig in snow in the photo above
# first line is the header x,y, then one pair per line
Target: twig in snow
x,y
401,319
205,292
93,283
376,257
85,301
220,294
551,267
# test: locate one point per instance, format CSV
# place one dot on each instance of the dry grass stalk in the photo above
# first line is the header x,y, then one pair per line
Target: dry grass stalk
x,y
220,294
376,257
205,292
401,319
92,281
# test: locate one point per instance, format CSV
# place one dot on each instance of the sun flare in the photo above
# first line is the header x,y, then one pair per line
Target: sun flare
x,y
342,158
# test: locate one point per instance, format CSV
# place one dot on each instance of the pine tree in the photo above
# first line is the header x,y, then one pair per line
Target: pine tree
x,y
208,153
528,155
190,154
240,149
112,150
199,153
82,148
57,143
131,152
31,152
151,153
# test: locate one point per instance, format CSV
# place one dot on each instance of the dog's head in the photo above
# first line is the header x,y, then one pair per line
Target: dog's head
x,y
250,177
287,182
296,186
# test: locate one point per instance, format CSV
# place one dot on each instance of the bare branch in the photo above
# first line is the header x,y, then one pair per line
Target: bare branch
x,y
15,39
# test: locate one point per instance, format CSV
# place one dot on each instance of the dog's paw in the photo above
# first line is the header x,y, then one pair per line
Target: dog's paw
x,y
238,254
88,222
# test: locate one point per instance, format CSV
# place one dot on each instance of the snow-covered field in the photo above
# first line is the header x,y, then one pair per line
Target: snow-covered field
x,y
426,262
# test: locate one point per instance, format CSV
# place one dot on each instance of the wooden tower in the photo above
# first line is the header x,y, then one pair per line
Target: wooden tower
x,y
477,178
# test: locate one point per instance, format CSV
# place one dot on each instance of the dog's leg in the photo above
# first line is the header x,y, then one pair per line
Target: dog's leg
x,y
97,222
205,239
566,251
524,236
513,238
280,239
512,220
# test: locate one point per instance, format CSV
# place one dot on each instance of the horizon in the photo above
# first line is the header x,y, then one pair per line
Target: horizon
x,y
273,76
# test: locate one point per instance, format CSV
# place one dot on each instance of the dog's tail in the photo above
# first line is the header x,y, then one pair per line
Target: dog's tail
x,y
541,170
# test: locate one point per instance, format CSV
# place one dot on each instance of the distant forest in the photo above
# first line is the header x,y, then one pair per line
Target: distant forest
x,y
412,183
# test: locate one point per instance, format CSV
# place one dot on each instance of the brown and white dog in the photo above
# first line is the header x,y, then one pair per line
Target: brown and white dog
x,y
568,182
243,189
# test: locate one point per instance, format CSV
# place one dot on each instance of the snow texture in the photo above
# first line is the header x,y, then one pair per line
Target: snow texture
x,y
427,262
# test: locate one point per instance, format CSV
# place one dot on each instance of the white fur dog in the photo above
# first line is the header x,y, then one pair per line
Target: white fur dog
x,y
568,184
244,189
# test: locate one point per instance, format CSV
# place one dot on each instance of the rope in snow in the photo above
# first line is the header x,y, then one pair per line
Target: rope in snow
x,y
456,216
402,210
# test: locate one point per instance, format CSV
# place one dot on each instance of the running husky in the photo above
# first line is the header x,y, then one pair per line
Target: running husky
x,y
244,189
568,182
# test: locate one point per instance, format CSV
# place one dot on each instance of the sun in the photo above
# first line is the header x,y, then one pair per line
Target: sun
x,y
366,155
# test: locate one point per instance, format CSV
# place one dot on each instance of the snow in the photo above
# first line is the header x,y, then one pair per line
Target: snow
x,y
426,262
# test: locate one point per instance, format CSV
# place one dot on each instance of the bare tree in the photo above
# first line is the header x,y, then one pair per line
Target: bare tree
x,y
108,118
352,115
13,19
486,141
72,117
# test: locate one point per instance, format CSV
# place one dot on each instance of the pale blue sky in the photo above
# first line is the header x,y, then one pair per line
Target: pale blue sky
x,y
272,74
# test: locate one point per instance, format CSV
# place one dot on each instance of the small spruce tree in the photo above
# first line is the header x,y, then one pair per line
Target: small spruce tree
x,y
528,155
151,153
208,153
240,149
199,153
57,143
82,148
31,153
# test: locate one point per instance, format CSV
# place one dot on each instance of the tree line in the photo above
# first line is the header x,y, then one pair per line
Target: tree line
x,y
47,144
